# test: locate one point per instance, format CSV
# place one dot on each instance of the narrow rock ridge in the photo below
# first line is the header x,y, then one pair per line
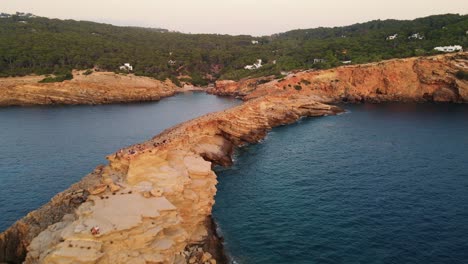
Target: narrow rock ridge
x,y
152,203
418,79
96,88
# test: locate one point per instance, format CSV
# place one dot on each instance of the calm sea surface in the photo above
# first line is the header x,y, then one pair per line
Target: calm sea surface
x,y
43,150
380,184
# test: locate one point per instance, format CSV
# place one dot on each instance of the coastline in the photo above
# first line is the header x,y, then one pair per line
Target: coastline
x,y
94,89
173,173
416,79
178,166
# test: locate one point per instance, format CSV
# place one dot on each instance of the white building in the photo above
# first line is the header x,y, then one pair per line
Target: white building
x,y
346,62
255,66
449,48
126,67
255,42
416,36
392,37
319,61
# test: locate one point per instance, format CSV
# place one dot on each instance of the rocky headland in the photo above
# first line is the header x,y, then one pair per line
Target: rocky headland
x,y
418,79
152,203
95,88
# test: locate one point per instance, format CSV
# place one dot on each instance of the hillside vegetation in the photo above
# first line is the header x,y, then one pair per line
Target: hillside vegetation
x,y
38,45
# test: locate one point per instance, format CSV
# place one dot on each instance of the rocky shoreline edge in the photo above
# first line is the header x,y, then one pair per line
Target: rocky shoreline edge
x,y
93,89
152,203
440,78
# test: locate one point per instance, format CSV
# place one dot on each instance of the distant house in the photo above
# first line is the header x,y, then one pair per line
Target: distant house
x,y
255,66
4,15
126,67
449,48
319,61
346,62
416,36
255,42
171,62
23,22
392,37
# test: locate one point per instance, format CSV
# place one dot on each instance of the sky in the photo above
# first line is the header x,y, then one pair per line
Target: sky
x,y
252,17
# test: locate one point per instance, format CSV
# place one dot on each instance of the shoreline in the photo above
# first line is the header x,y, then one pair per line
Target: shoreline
x,y
169,181
416,79
94,89
172,171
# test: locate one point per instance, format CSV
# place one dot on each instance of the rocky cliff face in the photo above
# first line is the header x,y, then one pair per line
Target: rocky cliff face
x,y
96,88
414,79
152,202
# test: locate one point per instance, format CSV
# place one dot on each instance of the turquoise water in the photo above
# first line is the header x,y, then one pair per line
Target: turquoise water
x,y
380,184
43,150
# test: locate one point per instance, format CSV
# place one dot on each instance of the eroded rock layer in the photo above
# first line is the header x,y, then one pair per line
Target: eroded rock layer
x,y
413,79
152,202
96,88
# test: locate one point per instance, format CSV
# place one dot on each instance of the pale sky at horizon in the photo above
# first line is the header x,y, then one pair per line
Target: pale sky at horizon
x,y
261,17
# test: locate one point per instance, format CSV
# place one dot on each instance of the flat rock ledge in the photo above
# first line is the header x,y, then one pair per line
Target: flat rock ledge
x,y
152,203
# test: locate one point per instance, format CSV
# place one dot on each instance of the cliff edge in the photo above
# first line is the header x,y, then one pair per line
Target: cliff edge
x,y
152,202
419,79
95,88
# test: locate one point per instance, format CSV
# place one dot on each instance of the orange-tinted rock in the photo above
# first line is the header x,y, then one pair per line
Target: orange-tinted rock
x,y
98,189
97,88
412,79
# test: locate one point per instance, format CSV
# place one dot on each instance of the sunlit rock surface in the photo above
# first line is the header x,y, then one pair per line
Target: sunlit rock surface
x,y
152,203
418,79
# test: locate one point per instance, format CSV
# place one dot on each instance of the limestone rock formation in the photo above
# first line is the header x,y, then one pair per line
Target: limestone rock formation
x,y
413,79
152,203
96,88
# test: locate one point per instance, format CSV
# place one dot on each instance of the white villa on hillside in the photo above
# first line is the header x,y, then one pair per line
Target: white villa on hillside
x,y
449,48
346,62
254,42
392,37
126,67
416,36
319,61
255,66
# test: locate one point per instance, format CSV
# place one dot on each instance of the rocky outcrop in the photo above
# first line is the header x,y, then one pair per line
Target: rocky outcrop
x,y
239,89
413,79
152,202
96,88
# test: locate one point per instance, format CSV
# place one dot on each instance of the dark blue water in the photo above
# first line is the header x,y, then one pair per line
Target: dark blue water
x,y
43,150
381,184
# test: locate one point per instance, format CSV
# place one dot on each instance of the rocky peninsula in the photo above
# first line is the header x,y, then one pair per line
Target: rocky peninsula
x,y
152,202
418,79
95,88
